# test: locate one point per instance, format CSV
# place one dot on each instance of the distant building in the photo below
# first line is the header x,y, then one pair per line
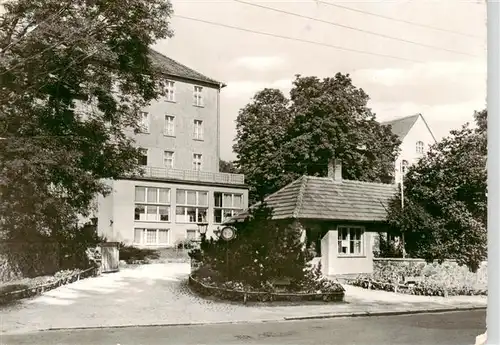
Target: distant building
x,y
182,185
416,136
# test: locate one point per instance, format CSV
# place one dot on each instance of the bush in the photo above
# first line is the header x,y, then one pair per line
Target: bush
x,y
186,244
447,278
263,250
314,282
130,253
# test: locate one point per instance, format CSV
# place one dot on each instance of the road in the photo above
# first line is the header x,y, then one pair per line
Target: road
x,y
447,328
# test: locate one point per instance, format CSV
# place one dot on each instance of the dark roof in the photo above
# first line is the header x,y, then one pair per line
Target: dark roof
x,y
401,127
175,69
323,198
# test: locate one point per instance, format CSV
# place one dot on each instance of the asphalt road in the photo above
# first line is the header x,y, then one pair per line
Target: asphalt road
x,y
447,328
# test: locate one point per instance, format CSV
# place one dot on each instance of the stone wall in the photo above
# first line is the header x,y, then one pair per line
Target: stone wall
x,y
391,269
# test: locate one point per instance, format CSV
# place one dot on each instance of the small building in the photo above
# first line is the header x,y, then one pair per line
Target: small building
x,y
340,218
181,185
416,136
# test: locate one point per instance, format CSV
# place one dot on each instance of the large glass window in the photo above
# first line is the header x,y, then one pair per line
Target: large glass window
x,y
152,204
226,205
191,206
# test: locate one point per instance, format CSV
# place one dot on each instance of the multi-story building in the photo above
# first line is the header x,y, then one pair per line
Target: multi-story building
x,y
181,186
416,136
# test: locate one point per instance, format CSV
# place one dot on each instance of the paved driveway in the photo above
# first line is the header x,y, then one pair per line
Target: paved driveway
x,y
157,294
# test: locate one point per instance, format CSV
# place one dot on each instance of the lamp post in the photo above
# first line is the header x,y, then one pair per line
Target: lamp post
x,y
403,171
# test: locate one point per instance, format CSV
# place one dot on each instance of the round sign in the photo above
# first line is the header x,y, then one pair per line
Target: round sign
x,y
227,233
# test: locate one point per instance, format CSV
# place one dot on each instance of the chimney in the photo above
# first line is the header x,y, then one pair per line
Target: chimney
x,y
335,169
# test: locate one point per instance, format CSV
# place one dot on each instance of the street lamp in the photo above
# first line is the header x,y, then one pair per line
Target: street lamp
x,y
202,228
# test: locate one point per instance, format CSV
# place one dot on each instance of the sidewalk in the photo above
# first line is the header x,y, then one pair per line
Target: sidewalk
x,y
157,294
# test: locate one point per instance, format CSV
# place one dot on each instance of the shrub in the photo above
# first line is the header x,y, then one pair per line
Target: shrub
x,y
186,244
130,253
262,251
447,278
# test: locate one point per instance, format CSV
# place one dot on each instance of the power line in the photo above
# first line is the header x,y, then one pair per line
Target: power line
x,y
355,29
397,19
297,39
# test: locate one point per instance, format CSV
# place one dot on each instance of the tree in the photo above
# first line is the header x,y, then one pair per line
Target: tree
x,y
445,203
74,78
261,129
227,167
280,139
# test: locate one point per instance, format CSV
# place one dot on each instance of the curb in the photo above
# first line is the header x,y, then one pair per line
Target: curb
x,y
281,319
158,325
385,313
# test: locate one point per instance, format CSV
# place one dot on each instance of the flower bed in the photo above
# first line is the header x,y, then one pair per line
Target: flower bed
x,y
234,292
434,279
31,287
314,287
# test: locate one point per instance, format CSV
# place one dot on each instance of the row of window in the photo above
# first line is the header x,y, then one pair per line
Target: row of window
x,y
169,126
153,204
197,93
350,239
159,236
169,159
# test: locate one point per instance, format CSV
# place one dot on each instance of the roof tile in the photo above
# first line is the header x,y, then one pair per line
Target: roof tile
x,y
176,69
323,198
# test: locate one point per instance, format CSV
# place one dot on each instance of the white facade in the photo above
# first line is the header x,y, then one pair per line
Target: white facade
x,y
181,186
414,144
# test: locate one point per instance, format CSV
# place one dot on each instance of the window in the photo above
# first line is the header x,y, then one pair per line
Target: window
x,y
152,204
169,125
420,147
198,96
168,159
226,205
198,130
192,206
170,91
144,122
192,234
151,236
404,166
143,158
197,158
350,240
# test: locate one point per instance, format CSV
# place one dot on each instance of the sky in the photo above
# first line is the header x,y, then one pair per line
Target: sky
x,y
443,76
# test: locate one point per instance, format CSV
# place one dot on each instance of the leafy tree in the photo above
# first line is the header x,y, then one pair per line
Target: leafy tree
x,y
74,77
445,204
227,167
262,129
280,139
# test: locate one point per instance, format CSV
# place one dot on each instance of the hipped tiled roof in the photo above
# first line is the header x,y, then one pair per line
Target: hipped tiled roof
x,y
175,69
323,198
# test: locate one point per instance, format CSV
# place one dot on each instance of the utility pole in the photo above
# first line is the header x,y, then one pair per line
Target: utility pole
x,y
401,168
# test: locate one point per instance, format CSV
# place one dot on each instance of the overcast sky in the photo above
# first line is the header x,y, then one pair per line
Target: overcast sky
x,y
446,87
